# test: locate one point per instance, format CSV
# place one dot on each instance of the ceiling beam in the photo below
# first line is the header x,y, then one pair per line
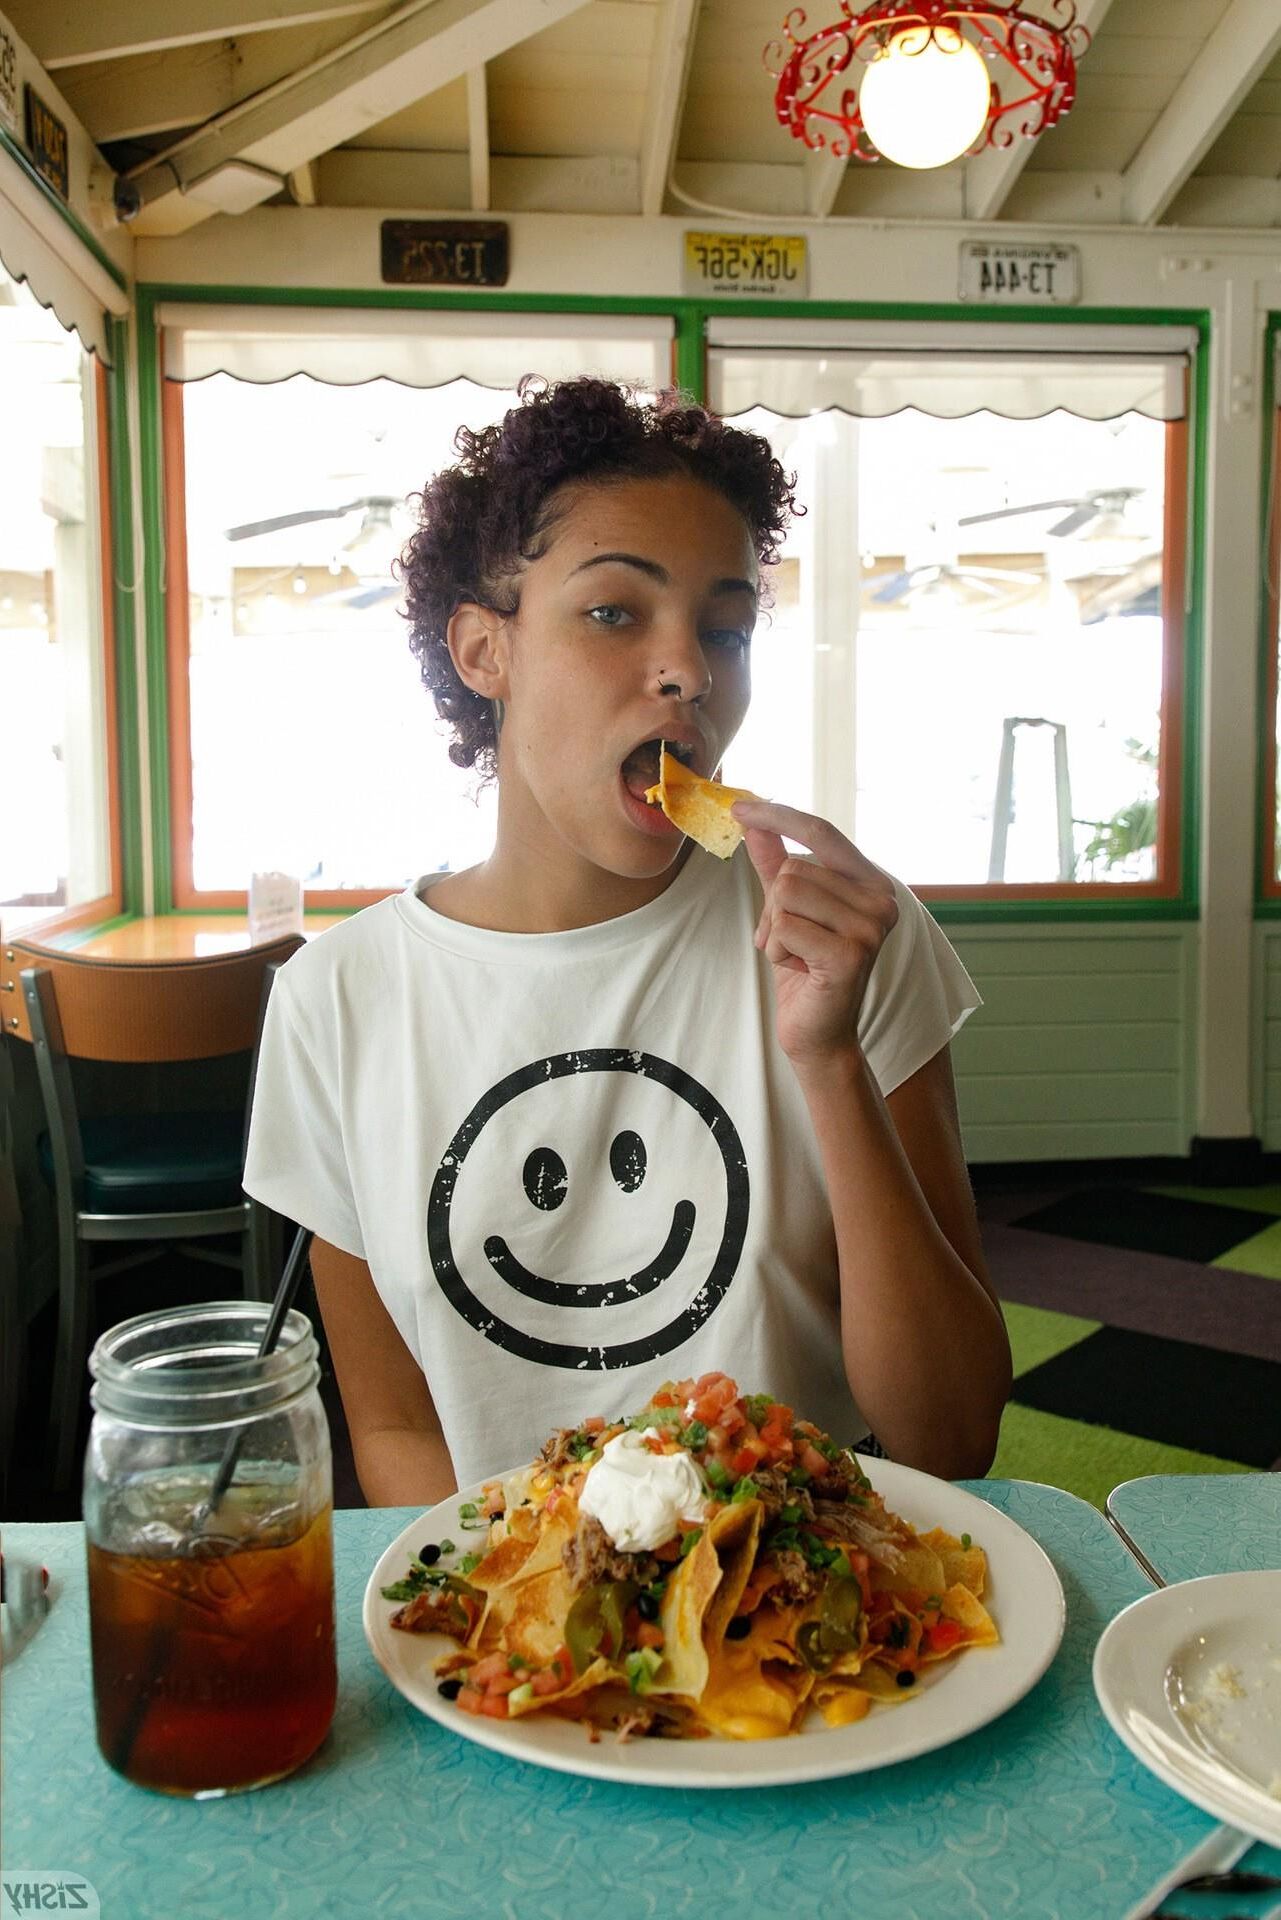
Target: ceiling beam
x,y
665,99
150,93
990,176
1233,58
478,138
66,33
416,50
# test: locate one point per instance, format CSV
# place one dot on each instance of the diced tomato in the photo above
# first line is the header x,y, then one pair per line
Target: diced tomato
x,y
493,1706
711,1395
491,1668
562,1662
594,1424
665,1398
732,1420
549,1681
812,1460
469,1699
943,1636
649,1634
750,1452
776,1432
670,1550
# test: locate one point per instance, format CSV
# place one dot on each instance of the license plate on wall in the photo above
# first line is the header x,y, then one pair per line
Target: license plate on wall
x,y
751,265
1013,273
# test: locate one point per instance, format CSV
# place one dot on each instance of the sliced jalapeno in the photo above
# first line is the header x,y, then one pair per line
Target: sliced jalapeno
x,y
595,1622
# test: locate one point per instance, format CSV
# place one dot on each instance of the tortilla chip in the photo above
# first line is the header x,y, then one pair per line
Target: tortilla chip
x,y
747,1698
733,1531
501,1564
842,1707
702,1596
978,1629
962,1566
534,1612
919,1570
598,1674
700,808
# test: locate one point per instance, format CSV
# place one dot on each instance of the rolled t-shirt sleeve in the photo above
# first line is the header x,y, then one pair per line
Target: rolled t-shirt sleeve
x,y
295,1161
919,996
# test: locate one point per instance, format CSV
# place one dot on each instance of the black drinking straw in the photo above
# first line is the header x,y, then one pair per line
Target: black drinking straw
x,y
285,1294
284,1300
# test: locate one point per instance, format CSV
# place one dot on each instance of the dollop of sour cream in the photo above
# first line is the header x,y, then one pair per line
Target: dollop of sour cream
x,y
638,1496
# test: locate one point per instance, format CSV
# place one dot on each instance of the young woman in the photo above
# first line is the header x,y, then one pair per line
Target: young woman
x,y
604,1110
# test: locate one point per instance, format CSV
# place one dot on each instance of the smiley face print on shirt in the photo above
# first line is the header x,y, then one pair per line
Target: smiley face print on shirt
x,y
601,1194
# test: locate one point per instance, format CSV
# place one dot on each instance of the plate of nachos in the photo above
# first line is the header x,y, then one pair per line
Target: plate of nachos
x,y
711,1593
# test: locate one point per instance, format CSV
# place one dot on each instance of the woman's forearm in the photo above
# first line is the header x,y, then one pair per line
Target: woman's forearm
x,y
403,1467
924,1345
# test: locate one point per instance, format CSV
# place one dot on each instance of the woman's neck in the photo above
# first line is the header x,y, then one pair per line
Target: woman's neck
x,y
525,887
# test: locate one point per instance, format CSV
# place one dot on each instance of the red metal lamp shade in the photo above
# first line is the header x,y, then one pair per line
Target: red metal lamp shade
x,y
1033,63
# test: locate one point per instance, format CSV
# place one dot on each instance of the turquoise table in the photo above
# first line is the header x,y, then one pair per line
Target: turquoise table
x,y
1183,1525
1043,1815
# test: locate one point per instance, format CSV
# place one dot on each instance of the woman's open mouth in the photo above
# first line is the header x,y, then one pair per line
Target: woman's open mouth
x,y
639,772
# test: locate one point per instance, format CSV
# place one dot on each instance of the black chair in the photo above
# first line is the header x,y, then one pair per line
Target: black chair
x,y
173,1179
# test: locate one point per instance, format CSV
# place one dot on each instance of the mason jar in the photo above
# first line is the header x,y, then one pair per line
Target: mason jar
x,y
211,1628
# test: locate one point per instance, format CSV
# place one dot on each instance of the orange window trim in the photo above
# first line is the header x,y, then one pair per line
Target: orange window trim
x,y
178,656
1164,887
1268,825
1170,762
107,905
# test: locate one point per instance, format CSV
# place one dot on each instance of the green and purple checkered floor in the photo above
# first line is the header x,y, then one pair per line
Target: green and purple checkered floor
x,y
1145,1324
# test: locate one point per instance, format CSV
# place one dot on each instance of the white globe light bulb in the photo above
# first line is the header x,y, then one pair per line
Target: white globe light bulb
x,y
925,98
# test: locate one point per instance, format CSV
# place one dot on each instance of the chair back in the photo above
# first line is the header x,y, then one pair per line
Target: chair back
x,y
139,1010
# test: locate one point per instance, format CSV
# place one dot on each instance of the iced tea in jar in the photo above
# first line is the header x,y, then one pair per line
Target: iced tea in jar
x,y
211,1628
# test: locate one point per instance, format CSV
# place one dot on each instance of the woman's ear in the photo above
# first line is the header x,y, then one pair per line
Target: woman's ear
x,y
477,647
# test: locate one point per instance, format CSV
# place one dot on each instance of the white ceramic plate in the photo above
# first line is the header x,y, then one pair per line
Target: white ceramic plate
x,y
953,1699
1190,1678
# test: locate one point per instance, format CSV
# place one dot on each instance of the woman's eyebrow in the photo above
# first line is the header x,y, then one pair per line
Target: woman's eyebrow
x,y
649,567
653,571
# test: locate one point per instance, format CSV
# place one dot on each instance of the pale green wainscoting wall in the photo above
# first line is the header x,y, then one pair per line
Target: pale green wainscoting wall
x,y
1267,1048
1084,1047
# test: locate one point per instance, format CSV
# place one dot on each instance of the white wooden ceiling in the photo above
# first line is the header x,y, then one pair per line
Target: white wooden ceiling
x,y
636,106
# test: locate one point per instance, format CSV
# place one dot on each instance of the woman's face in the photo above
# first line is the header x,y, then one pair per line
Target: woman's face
x,y
634,625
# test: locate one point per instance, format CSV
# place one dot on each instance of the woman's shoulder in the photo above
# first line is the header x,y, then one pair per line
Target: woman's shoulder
x,y
342,953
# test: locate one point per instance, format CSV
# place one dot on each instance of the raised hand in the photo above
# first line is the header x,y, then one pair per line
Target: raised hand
x,y
823,924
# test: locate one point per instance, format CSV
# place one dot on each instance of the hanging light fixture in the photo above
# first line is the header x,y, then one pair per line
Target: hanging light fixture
x,y
938,79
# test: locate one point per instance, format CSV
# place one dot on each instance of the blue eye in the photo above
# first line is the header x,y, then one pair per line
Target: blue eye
x,y
608,615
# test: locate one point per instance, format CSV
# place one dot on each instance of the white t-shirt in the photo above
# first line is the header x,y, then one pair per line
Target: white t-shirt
x,y
578,1164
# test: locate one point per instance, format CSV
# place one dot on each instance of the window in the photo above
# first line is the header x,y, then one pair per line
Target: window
x,y
301,736
974,665
58,856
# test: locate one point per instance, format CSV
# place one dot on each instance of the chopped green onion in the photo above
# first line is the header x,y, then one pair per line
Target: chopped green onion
x,y
515,1661
757,1405
640,1667
798,1477
718,1475
691,1540
693,1436
791,1516
468,1561
746,1489
842,1568
966,1541
447,1546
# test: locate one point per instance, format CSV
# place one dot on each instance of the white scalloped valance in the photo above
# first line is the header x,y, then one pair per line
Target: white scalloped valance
x,y
949,370
345,346
36,245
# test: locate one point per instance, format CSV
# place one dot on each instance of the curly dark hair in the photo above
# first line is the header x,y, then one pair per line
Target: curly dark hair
x,y
481,518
